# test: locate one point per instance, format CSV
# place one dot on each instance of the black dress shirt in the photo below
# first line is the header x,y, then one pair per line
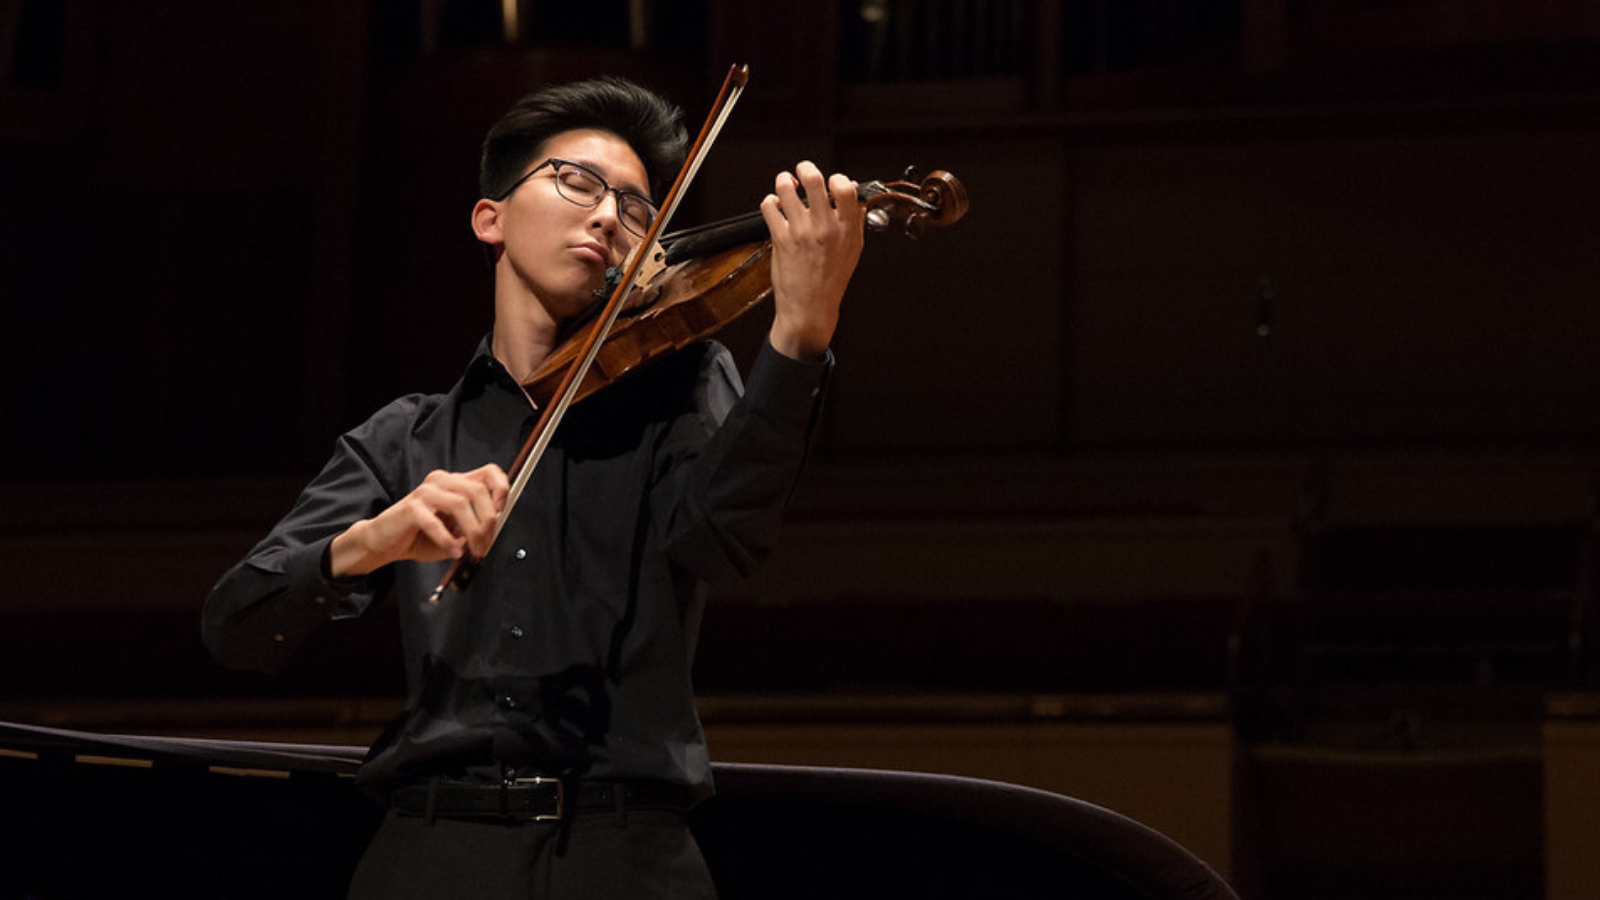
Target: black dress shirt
x,y
569,653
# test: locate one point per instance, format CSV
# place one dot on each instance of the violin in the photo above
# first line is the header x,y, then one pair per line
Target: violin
x,y
698,280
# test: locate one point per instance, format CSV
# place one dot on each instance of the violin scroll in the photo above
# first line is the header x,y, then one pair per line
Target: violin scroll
x,y
939,199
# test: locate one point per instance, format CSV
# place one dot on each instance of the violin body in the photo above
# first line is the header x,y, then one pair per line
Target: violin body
x,y
679,305
689,300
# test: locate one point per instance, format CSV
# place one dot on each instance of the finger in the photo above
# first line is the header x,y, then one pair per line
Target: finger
x,y
786,187
811,179
843,190
488,489
440,530
772,214
494,479
467,504
432,536
815,187
439,502
465,507
469,496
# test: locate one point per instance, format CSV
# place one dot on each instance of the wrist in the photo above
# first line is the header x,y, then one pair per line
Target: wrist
x,y
799,343
347,555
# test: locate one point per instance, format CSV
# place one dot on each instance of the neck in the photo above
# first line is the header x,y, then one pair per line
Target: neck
x,y
524,334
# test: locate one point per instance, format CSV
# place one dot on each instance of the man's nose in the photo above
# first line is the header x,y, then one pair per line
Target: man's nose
x,y
608,211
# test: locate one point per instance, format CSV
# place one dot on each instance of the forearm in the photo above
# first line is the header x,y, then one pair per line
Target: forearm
x,y
721,511
262,610
801,338
349,556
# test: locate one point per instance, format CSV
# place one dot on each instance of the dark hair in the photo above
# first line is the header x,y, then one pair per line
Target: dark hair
x,y
650,125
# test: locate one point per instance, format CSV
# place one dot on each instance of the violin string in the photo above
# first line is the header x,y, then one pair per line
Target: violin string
x,y
864,191
692,230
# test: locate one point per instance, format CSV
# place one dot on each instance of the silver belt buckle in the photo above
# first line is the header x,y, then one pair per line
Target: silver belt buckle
x,y
561,796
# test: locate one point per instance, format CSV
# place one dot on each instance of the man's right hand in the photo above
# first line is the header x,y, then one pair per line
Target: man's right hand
x,y
446,515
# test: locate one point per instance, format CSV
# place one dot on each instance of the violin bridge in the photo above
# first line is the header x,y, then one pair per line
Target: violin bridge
x,y
654,262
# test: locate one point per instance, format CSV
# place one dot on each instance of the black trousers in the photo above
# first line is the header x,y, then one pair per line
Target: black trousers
x,y
638,855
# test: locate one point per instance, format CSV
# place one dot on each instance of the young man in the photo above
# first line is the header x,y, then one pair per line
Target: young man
x,y
549,746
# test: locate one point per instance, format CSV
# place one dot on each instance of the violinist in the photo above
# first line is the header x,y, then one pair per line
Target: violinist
x,y
549,745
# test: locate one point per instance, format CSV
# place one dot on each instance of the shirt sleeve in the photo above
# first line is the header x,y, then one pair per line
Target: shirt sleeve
x,y
262,610
730,473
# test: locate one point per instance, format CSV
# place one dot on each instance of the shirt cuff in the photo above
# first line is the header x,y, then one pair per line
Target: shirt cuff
x,y
779,379
309,578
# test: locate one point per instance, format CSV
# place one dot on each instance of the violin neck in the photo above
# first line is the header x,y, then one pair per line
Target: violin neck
x,y
709,240
714,237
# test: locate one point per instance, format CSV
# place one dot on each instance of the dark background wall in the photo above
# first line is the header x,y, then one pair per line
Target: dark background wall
x,y
1259,302
249,221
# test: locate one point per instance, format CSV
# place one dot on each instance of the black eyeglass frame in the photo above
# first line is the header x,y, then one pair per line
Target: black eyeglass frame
x,y
623,195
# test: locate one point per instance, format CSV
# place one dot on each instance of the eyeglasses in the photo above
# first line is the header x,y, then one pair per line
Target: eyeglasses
x,y
582,186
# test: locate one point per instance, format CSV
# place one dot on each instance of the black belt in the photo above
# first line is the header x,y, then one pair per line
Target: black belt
x,y
536,799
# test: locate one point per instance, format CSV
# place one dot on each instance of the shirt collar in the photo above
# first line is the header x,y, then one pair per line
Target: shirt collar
x,y
484,369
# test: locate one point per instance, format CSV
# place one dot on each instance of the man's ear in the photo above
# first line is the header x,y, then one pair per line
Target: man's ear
x,y
486,223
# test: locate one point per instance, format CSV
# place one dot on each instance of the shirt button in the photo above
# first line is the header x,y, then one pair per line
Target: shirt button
x,y
521,553
508,702
516,631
